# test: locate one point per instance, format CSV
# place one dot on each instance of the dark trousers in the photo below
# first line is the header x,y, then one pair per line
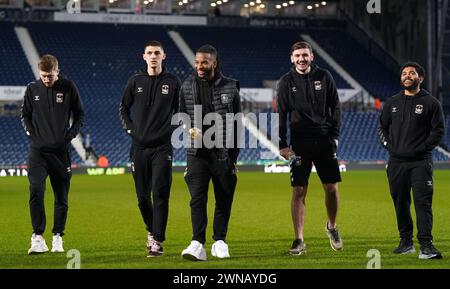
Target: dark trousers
x,y
418,176
152,172
200,170
57,166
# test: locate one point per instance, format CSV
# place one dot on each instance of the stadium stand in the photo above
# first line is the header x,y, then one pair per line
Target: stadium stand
x,y
252,54
101,57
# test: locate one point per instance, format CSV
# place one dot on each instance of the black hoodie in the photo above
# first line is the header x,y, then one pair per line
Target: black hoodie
x,y
147,106
411,126
312,103
46,112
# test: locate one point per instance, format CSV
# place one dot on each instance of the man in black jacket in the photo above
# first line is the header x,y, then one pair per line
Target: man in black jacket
x,y
411,126
152,96
47,107
208,91
308,98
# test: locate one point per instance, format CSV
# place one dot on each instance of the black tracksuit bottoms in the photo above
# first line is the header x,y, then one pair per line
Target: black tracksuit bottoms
x,y
152,172
200,170
56,165
418,176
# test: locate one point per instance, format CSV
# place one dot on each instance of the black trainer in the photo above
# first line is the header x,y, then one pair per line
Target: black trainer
x,y
428,251
405,247
298,247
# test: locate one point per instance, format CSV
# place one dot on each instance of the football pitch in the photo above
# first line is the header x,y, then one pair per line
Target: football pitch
x,y
105,226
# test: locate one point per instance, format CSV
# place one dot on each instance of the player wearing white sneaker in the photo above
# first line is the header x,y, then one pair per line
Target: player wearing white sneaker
x,y
194,252
220,250
38,245
57,244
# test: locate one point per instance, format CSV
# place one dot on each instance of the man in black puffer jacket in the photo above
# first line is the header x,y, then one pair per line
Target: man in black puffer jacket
x,y
210,159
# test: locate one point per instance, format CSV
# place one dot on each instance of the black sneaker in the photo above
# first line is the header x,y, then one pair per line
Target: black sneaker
x,y
155,249
428,251
298,247
405,247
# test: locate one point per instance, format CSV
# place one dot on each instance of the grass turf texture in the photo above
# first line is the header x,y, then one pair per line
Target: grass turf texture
x,y
105,225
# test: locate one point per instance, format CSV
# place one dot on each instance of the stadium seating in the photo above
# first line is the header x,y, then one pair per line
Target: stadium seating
x,y
15,69
251,55
369,72
101,57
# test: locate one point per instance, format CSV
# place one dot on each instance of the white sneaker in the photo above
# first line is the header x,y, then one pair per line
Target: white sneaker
x,y
38,245
194,252
57,244
220,249
150,239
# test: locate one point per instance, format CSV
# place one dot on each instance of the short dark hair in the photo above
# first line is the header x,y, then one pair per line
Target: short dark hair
x,y
154,43
420,70
48,63
301,45
208,48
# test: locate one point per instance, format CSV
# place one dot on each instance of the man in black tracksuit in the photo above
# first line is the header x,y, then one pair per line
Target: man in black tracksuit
x,y
308,98
148,104
411,126
218,94
46,110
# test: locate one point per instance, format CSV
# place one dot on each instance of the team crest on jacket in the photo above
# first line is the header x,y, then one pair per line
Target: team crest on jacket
x,y
419,109
226,98
317,85
59,97
165,89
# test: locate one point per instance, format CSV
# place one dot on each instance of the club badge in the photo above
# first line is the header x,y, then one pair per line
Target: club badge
x,y
165,89
59,97
419,109
317,85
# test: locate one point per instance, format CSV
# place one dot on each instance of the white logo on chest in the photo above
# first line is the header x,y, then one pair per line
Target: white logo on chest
x,y
419,109
59,97
317,85
165,89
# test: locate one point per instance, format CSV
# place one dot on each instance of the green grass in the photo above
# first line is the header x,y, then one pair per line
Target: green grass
x,y
105,225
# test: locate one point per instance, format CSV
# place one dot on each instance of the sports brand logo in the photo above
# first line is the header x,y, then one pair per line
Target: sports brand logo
x,y
317,85
430,183
394,109
36,97
139,89
59,97
165,89
419,109
294,89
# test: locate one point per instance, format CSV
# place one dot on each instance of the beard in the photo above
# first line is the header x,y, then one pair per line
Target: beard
x,y
207,73
412,86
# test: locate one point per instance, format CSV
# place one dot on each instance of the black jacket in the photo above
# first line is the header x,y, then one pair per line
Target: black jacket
x,y
225,99
46,113
312,104
411,126
147,107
